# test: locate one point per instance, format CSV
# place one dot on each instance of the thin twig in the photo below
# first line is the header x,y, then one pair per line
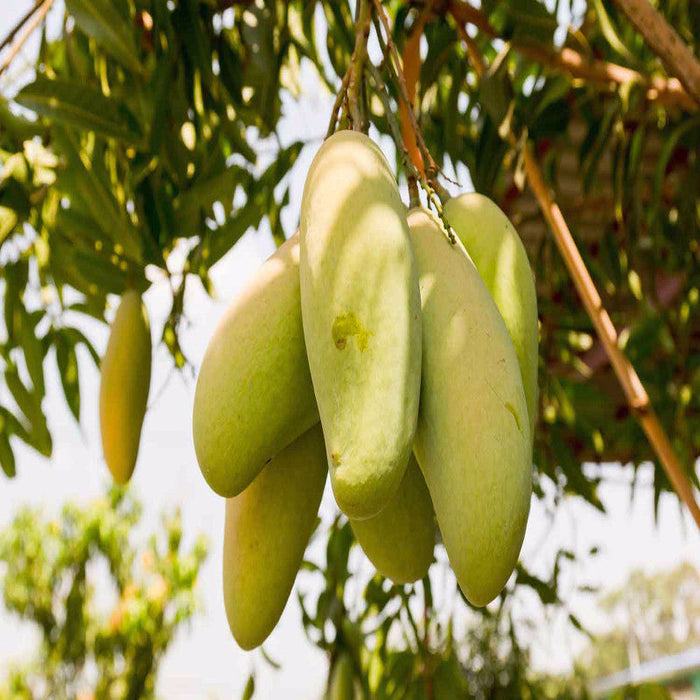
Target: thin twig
x,y
353,75
668,92
31,26
11,34
410,61
431,168
339,98
356,69
665,42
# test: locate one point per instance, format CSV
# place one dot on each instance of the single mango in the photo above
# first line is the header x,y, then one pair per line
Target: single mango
x,y
361,313
125,379
254,394
472,441
499,255
399,541
267,529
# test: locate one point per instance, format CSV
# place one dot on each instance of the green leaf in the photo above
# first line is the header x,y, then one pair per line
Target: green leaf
x,y
609,32
106,275
85,187
33,350
101,20
7,457
249,689
30,405
496,90
78,105
204,192
76,337
67,362
8,221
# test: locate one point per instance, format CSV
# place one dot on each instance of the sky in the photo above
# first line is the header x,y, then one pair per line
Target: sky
x,y
204,661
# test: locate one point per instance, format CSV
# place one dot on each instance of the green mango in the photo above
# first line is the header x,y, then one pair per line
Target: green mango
x,y
361,313
341,685
472,442
399,540
254,394
267,529
499,255
125,379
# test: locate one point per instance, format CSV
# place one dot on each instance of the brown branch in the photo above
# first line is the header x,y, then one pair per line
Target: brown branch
x,y
666,91
356,69
665,42
31,26
634,391
403,92
11,34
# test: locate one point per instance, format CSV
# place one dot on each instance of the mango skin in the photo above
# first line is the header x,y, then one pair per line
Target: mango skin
x,y
499,255
399,541
266,532
472,442
254,394
361,313
125,380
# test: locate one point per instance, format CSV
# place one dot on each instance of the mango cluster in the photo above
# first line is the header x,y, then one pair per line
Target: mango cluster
x,y
372,347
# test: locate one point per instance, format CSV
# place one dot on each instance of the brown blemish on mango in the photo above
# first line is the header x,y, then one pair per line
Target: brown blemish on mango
x,y
347,325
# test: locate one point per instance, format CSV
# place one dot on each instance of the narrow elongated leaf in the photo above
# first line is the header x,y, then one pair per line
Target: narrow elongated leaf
x,y
101,20
33,352
83,185
203,194
610,33
67,362
8,221
30,405
76,337
7,457
78,105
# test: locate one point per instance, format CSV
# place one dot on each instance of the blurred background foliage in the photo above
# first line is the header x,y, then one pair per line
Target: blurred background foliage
x,y
101,641
144,143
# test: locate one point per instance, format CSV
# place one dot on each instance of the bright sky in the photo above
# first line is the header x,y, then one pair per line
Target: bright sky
x,y
204,661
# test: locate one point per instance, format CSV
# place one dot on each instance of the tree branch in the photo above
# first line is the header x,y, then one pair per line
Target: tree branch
x,y
666,91
31,26
665,42
11,34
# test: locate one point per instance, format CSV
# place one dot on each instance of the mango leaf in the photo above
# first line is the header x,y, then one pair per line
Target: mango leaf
x,y
76,337
76,104
8,221
249,689
523,20
546,591
106,275
496,89
33,350
81,182
610,33
222,239
30,405
7,457
204,192
67,362
101,20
